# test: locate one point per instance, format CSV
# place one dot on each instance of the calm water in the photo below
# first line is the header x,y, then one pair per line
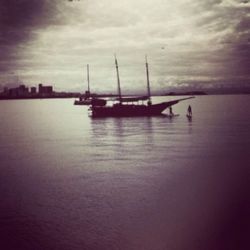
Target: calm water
x,y
68,181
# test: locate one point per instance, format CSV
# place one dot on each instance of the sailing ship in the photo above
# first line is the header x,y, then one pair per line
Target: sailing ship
x,y
125,107
85,99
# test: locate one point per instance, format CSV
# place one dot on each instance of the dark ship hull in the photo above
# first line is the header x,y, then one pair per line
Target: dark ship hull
x,y
126,110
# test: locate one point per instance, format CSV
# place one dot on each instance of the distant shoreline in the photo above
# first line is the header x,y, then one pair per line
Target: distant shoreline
x,y
40,96
67,96
185,93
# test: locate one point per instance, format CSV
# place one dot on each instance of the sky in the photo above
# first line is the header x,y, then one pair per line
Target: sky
x,y
190,44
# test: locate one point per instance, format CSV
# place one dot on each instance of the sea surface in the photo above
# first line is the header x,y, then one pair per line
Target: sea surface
x,y
68,181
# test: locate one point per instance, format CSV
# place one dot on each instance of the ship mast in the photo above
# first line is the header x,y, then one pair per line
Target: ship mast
x,y
118,81
148,84
88,77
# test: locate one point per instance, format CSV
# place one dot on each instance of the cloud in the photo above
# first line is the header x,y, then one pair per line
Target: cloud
x,y
185,40
20,21
18,18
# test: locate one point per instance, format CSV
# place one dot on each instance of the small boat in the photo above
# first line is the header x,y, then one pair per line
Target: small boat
x,y
82,101
85,99
122,106
91,101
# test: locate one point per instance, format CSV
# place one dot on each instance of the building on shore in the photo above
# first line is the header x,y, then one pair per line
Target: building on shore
x,y
24,92
20,91
33,90
47,90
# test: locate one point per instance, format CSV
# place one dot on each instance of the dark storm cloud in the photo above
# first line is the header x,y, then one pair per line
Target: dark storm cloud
x,y
244,25
20,18
239,42
232,19
17,18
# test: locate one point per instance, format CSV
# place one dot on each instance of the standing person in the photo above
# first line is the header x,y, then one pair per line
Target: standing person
x,y
189,110
171,111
